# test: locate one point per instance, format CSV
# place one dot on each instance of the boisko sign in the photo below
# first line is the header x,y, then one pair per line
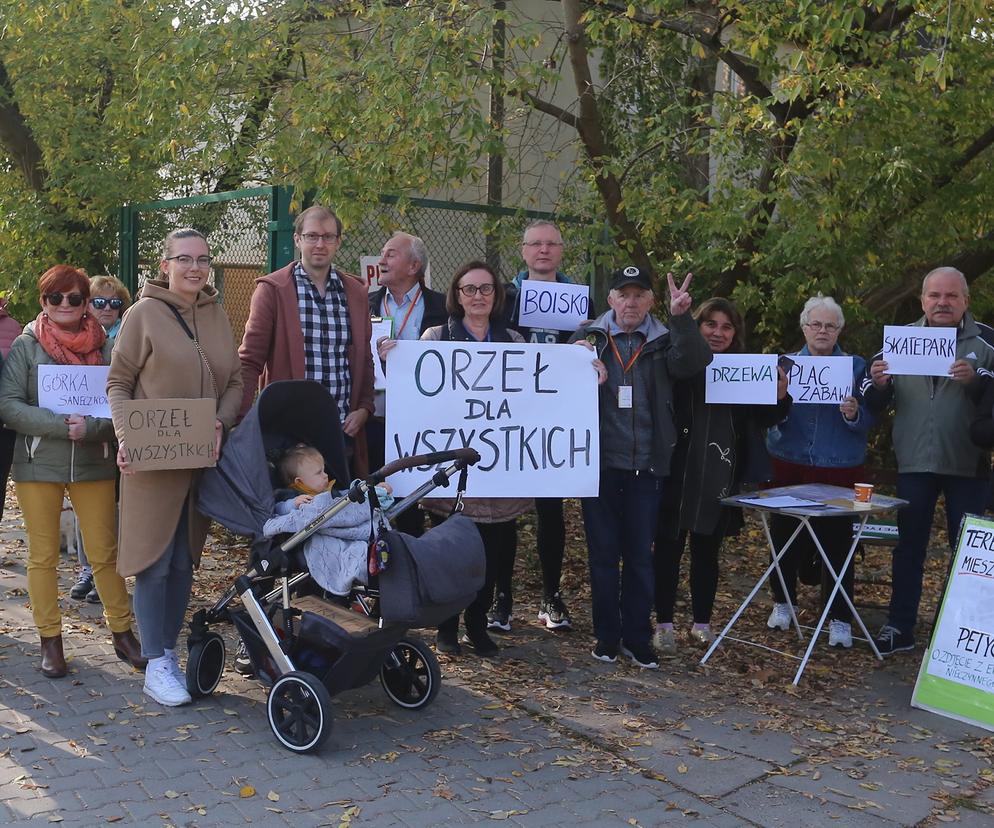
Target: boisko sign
x,y
529,410
741,379
558,306
820,379
74,389
956,678
917,351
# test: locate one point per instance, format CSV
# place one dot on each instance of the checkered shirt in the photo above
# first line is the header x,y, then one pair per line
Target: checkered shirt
x,y
324,322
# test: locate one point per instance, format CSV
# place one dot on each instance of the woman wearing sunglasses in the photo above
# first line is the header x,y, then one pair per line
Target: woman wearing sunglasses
x,y
55,453
109,298
175,343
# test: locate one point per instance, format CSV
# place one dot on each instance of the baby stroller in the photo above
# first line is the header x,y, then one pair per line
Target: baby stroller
x,y
304,644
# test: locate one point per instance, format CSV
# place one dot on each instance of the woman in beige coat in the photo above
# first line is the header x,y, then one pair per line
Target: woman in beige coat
x,y
175,342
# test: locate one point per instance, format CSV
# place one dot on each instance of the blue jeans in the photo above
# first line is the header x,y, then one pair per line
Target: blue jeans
x,y
621,524
914,523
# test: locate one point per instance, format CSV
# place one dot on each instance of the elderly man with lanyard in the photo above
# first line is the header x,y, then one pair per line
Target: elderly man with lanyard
x,y
311,321
638,360
931,433
413,307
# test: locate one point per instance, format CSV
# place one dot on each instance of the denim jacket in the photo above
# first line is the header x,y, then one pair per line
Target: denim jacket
x,y
816,434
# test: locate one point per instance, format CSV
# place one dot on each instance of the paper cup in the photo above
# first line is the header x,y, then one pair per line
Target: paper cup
x,y
862,492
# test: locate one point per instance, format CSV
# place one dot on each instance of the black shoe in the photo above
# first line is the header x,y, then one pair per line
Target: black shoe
x,y
499,617
642,656
84,583
605,652
891,640
554,613
93,597
483,645
447,644
243,664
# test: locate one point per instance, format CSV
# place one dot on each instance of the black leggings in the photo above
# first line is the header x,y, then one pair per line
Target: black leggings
x,y
550,541
835,536
704,551
499,542
7,438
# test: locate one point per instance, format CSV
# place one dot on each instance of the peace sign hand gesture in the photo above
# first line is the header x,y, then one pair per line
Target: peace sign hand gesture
x,y
679,297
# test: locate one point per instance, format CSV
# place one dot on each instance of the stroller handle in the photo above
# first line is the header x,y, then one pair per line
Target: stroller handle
x,y
465,456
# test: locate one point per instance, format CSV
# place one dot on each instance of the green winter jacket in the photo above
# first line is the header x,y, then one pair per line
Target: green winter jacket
x,y
43,451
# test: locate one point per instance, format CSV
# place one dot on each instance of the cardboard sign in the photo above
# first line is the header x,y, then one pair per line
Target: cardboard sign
x,y
529,410
741,379
554,305
369,269
956,678
381,327
818,379
169,434
917,351
74,389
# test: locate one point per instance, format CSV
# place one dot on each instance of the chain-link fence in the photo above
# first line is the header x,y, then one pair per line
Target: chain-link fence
x,y
250,233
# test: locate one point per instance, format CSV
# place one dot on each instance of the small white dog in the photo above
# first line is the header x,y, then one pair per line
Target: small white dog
x,y
67,529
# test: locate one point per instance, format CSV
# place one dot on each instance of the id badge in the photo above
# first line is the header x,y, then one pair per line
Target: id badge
x,y
624,396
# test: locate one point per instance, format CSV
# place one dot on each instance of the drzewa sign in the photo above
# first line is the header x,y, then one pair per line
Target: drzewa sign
x,y
529,410
957,673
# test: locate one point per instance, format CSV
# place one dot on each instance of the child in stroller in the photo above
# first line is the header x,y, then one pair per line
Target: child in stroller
x,y
336,554
303,646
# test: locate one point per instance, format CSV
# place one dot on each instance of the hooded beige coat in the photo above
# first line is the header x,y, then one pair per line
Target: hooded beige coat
x,y
153,358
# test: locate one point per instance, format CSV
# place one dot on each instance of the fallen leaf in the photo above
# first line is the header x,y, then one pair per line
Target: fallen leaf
x,y
272,796
246,791
172,795
681,768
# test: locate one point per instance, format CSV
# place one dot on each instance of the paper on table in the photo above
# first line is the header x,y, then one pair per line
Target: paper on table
x,y
784,502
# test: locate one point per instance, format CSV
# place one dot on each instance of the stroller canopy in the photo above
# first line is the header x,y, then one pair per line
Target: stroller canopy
x,y
238,492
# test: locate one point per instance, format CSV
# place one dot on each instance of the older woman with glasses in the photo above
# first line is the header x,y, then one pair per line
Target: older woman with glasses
x,y
54,454
175,343
819,443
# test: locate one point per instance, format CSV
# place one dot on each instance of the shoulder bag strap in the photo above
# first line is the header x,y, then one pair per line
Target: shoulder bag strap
x,y
196,344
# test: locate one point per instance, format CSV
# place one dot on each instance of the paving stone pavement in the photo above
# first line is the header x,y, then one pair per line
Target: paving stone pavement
x,y
544,736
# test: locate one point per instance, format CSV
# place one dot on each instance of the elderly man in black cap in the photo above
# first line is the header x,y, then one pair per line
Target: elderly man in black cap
x,y
638,359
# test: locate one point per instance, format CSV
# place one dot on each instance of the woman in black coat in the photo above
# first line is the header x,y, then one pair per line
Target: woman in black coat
x,y
718,448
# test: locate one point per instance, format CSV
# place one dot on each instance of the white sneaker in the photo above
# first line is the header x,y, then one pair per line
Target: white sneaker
x,y
664,641
162,686
839,634
702,634
174,667
779,618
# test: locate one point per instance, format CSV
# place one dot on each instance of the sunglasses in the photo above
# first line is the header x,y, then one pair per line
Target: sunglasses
x,y
99,302
75,299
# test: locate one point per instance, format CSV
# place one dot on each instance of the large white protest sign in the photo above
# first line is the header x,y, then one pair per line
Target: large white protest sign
x,y
74,389
558,306
819,379
381,327
741,379
369,271
529,410
918,351
957,673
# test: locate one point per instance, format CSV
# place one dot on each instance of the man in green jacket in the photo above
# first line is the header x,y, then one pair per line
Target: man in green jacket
x,y
935,455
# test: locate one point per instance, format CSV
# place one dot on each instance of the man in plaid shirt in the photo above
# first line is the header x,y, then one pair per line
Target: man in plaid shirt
x,y
311,321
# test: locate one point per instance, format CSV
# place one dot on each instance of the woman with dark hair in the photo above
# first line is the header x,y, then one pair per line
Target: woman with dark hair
x,y
175,343
718,448
55,454
475,302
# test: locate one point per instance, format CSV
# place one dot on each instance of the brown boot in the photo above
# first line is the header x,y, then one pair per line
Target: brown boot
x,y
128,649
53,660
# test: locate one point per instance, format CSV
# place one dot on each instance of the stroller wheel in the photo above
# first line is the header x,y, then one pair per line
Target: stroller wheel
x,y
204,665
411,675
299,709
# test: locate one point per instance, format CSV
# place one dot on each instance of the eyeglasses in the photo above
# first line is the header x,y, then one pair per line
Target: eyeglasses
x,y
828,327
535,245
314,238
99,302
75,299
187,261
472,290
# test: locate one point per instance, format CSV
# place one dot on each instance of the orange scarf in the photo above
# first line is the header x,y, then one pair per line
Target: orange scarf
x,y
80,347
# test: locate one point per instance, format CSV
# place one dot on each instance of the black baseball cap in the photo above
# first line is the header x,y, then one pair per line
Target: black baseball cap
x,y
630,275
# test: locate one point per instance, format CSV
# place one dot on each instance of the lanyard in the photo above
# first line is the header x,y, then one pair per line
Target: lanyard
x,y
625,367
407,315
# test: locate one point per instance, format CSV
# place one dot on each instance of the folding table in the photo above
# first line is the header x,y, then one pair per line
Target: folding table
x,y
804,502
